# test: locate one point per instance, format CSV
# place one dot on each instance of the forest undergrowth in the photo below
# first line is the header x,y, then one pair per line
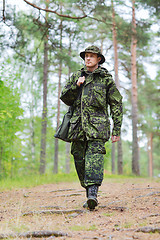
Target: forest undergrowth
x,y
32,180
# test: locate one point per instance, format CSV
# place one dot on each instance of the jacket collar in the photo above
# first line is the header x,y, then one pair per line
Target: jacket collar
x,y
97,70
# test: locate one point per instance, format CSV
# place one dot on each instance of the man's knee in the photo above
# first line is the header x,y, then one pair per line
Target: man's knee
x,y
96,146
77,148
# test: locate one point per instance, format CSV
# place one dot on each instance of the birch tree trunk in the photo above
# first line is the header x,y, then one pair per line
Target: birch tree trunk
x,y
135,149
119,143
32,124
55,169
44,111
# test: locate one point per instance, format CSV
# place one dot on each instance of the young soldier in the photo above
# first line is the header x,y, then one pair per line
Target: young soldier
x,y
91,90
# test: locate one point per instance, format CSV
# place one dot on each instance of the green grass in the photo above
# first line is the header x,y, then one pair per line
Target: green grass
x,y
128,225
115,176
35,180
83,228
109,214
27,181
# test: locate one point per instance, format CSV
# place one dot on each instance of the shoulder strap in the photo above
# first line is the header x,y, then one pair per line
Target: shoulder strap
x,y
80,90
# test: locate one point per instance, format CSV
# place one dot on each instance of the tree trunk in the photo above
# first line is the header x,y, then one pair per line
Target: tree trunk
x,y
67,170
55,169
44,112
150,155
113,158
102,44
120,157
32,125
32,139
114,36
135,149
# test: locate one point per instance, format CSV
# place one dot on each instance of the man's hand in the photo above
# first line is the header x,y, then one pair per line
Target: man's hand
x,y
80,81
115,138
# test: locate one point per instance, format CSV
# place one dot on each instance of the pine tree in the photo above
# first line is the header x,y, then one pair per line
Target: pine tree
x,y
135,148
44,111
119,144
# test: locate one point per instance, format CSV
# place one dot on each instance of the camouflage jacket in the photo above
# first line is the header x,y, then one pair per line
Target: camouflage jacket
x,y
90,117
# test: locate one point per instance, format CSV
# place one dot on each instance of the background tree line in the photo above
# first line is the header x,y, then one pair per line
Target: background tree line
x,y
40,47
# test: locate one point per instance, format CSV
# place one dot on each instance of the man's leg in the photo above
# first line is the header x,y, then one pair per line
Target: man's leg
x,y
94,168
78,152
94,162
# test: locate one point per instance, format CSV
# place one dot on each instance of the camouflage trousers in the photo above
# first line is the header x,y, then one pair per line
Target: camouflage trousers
x,y
89,161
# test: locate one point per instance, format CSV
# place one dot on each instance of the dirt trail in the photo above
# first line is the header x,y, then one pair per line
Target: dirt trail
x,y
124,207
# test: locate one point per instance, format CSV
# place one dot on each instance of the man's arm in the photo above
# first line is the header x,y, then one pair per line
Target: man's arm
x,y
115,102
71,89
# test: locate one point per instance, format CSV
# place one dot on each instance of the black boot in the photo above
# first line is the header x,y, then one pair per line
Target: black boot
x,y
85,205
92,197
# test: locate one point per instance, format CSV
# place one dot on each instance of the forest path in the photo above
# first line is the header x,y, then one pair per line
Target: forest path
x,y
128,209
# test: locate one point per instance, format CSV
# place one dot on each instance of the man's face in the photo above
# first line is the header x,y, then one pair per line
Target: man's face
x,y
91,60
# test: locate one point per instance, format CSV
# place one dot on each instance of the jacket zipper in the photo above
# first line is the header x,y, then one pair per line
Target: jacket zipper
x,y
81,107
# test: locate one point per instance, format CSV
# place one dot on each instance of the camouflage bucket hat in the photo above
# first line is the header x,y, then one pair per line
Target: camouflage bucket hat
x,y
93,49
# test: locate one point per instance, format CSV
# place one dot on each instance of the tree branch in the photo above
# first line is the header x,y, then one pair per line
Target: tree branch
x,y
3,11
100,20
148,195
33,234
53,212
55,12
149,229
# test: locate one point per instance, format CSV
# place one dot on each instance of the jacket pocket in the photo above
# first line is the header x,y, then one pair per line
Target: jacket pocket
x,y
98,97
74,127
100,128
74,121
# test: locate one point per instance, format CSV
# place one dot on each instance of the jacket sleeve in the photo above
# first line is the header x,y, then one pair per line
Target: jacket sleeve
x,y
116,108
70,91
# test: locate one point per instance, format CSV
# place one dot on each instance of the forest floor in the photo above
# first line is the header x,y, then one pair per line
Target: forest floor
x,y
127,209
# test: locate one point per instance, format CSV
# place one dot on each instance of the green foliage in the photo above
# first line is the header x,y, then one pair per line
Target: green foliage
x,y
127,157
10,123
33,180
149,116
107,157
152,5
124,33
